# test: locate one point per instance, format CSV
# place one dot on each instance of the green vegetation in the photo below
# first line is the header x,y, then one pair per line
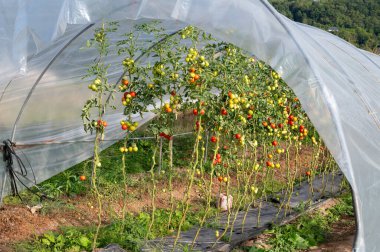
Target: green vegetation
x,y
129,235
309,230
67,183
131,232
357,20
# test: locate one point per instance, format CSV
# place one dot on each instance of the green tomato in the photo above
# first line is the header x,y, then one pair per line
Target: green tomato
x,y
97,82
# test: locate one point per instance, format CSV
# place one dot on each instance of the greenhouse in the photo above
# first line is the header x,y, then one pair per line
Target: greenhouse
x,y
78,76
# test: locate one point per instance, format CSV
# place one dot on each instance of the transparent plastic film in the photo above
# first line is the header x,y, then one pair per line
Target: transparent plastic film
x,y
337,84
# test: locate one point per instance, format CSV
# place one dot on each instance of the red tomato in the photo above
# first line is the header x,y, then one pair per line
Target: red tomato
x,y
213,139
224,112
195,112
82,178
237,136
124,127
302,129
275,143
133,94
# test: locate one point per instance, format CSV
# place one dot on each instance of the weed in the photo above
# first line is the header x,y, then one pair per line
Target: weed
x,y
130,235
309,230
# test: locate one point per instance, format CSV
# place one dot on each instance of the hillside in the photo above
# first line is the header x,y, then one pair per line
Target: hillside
x,y
357,21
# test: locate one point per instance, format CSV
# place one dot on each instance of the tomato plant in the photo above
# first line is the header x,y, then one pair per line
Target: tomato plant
x,y
247,122
98,72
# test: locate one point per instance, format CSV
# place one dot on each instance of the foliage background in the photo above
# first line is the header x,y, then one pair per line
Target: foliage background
x,y
358,21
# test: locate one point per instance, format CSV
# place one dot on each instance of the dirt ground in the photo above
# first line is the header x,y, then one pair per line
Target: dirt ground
x,y
17,223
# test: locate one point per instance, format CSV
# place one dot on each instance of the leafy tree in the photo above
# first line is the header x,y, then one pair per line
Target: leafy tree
x,y
357,21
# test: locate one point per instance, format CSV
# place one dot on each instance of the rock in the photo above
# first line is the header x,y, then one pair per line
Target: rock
x,y
224,248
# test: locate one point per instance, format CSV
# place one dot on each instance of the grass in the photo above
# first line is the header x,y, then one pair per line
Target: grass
x,y
67,183
307,231
130,236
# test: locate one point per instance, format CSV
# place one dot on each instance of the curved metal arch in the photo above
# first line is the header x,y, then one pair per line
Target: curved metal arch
x,y
48,66
333,115
54,59
42,74
5,89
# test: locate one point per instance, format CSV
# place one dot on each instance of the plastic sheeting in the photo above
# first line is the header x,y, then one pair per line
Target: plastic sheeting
x,y
337,84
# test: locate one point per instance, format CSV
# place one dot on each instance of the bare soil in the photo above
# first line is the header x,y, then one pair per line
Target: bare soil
x,y
17,223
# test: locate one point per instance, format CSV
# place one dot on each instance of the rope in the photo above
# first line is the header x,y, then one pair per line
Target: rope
x,y
9,154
